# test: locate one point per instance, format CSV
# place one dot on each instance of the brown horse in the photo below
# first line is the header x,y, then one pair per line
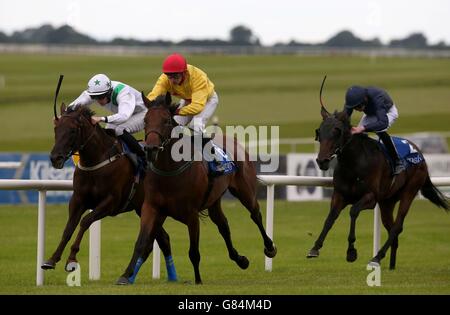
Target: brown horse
x,y
183,189
363,178
103,181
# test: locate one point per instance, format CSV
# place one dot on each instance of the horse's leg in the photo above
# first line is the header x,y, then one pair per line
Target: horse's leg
x,y
218,217
337,204
164,243
194,253
76,210
366,202
247,196
101,211
387,217
405,203
151,222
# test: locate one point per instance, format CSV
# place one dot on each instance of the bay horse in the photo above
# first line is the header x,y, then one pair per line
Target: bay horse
x,y
362,178
183,189
103,181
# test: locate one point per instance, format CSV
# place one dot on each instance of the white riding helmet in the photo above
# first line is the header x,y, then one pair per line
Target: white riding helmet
x,y
99,84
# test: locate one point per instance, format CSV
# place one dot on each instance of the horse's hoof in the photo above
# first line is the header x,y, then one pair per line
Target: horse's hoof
x,y
243,262
352,255
48,265
313,253
71,265
123,281
270,253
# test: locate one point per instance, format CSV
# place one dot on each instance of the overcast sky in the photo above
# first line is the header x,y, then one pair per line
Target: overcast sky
x,y
271,21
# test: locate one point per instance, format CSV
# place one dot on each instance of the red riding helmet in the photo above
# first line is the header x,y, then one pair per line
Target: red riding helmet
x,y
174,63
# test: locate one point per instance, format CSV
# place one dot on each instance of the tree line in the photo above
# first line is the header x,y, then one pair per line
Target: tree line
x,y
239,35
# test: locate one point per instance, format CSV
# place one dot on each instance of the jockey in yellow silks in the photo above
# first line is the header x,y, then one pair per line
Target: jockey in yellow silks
x,y
196,91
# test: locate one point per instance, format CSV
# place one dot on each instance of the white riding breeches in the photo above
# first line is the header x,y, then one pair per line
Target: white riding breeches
x,y
199,121
392,115
134,124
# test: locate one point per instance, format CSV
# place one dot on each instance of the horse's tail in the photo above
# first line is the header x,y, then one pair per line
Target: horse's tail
x,y
433,194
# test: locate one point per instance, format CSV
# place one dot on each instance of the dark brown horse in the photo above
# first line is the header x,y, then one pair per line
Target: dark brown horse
x,y
362,178
183,189
103,181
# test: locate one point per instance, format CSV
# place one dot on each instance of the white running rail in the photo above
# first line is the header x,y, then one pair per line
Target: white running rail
x,y
94,235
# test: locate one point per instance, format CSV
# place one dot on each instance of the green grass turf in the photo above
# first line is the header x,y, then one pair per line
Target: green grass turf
x,y
422,263
253,90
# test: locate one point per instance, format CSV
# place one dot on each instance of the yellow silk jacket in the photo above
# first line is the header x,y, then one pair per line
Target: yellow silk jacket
x,y
195,89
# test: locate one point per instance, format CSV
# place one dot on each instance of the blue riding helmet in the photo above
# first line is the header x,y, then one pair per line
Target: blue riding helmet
x,y
355,96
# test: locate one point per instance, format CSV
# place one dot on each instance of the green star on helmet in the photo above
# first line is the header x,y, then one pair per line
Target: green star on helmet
x,y
97,82
108,84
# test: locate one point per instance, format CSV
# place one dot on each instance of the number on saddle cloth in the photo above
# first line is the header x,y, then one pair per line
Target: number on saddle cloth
x,y
405,151
220,163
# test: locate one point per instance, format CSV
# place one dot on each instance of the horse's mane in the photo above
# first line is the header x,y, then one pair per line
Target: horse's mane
x,y
88,113
82,110
362,138
164,101
160,100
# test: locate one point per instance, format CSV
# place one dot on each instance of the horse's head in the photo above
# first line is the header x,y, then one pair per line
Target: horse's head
x,y
72,131
333,134
159,123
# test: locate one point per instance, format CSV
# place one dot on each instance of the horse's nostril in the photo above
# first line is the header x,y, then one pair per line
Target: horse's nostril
x,y
57,161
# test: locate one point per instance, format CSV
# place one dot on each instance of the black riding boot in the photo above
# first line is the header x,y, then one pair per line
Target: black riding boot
x,y
390,147
133,145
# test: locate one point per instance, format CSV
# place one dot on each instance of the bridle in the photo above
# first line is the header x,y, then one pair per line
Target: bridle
x,y
78,136
164,140
340,143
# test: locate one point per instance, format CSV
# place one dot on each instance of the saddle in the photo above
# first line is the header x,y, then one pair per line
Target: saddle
x,y
406,152
139,164
219,162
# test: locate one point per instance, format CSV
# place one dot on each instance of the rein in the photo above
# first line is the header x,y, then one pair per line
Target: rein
x,y
175,172
96,166
101,164
341,148
161,147
89,138
164,142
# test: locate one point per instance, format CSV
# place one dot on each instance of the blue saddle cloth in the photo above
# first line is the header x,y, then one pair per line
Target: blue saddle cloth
x,y
223,163
405,151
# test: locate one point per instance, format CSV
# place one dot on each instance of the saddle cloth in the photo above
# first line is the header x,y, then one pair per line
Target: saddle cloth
x,y
221,163
405,151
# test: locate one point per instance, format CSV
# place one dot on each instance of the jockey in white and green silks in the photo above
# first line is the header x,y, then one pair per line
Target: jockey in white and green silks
x,y
123,101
